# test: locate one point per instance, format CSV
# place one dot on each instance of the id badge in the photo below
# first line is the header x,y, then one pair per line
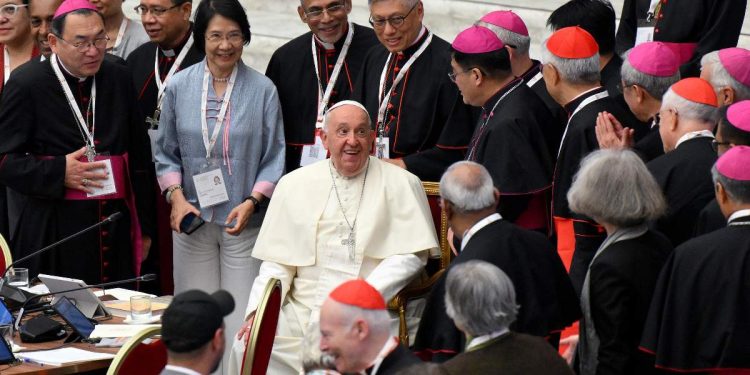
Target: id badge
x,y
210,186
314,152
645,31
152,138
108,185
382,148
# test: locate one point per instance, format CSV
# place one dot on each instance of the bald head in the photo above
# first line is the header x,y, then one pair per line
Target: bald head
x,y
468,187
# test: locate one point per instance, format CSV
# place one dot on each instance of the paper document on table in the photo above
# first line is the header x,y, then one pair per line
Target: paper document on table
x,y
121,293
64,356
36,289
119,330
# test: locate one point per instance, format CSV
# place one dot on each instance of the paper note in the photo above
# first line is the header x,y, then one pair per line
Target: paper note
x,y
59,357
119,330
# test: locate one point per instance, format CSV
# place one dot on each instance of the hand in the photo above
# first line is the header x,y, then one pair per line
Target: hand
x,y
244,332
396,162
146,241
83,175
611,134
180,208
570,352
242,213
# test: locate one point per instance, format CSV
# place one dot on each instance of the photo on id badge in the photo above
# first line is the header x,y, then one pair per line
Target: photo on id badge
x,y
210,184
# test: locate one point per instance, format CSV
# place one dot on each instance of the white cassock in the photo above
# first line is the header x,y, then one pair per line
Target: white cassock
x,y
301,244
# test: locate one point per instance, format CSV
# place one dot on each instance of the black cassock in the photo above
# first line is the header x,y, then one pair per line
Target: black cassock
x,y
699,314
710,219
508,140
650,146
292,70
684,175
553,131
578,236
427,122
38,129
543,290
712,24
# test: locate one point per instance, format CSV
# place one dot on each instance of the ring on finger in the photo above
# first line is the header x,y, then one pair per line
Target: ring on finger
x,y
85,182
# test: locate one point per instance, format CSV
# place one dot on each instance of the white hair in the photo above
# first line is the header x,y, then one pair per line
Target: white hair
x,y
689,109
737,190
521,42
480,298
655,86
575,71
720,77
378,321
468,186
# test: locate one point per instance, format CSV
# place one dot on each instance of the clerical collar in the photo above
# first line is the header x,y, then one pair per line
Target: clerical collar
x,y
174,51
336,46
739,216
477,227
479,340
536,67
692,135
416,44
494,98
70,75
573,104
389,346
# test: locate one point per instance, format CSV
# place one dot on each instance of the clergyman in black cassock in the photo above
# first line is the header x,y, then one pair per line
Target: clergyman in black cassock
x,y
292,70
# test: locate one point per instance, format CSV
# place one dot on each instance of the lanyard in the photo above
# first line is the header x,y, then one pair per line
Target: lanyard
x,y
695,134
324,98
386,97
210,143
160,85
88,137
653,10
6,64
477,226
534,79
583,104
480,131
736,215
120,33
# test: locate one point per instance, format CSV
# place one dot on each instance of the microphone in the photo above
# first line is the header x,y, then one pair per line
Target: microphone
x,y
146,277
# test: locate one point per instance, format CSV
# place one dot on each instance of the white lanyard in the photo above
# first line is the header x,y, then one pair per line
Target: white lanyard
x,y
737,215
160,85
695,134
652,9
210,143
324,98
386,97
6,64
121,32
476,227
534,79
88,137
583,104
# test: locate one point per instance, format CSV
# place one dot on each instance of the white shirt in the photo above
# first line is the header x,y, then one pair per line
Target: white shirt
x,y
477,226
484,338
696,134
182,370
738,214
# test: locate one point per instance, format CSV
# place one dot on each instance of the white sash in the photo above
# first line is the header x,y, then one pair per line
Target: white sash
x,y
325,97
210,143
161,85
88,137
583,104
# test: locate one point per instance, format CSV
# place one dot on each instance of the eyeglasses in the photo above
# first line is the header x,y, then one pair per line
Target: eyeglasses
x,y
234,38
359,133
316,13
142,10
83,46
394,21
715,144
10,10
452,76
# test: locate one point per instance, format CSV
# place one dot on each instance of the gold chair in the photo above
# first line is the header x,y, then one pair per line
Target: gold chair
x,y
137,357
421,288
7,257
263,331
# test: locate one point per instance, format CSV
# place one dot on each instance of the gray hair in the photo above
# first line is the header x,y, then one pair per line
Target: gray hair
x,y
468,186
615,187
655,86
575,71
480,298
378,321
521,42
689,109
737,190
720,77
408,3
344,103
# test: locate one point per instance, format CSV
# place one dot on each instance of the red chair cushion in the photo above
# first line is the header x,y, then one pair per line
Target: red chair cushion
x,y
267,333
145,359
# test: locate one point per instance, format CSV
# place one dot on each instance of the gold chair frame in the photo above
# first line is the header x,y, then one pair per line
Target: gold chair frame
x,y
128,347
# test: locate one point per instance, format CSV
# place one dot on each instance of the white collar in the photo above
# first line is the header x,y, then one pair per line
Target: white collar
x,y
388,347
584,93
422,31
326,45
80,79
182,370
484,338
477,226
738,214
695,134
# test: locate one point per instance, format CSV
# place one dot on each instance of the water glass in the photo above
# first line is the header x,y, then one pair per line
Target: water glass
x,y
18,277
140,307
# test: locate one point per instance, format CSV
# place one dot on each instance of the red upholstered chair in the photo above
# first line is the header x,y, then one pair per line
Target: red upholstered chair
x,y
435,266
137,357
6,257
263,331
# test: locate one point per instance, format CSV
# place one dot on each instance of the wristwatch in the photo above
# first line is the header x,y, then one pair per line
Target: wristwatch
x,y
255,201
171,190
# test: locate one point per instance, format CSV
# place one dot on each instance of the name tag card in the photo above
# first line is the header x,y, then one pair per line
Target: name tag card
x,y
382,148
645,31
210,188
108,185
314,152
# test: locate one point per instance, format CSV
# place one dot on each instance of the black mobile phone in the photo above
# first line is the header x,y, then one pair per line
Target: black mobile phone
x,y
190,223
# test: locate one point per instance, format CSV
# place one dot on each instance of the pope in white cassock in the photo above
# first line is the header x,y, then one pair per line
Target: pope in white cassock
x,y
347,217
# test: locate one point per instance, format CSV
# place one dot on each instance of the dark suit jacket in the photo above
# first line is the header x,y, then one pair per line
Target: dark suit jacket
x,y
400,358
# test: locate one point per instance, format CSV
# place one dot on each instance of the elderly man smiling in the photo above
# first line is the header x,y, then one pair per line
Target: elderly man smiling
x,y
352,216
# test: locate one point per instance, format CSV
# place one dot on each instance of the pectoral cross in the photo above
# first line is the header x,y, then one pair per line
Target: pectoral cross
x,y
153,122
350,243
380,150
90,153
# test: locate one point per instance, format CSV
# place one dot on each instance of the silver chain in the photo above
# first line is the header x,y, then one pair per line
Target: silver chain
x,y
361,194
